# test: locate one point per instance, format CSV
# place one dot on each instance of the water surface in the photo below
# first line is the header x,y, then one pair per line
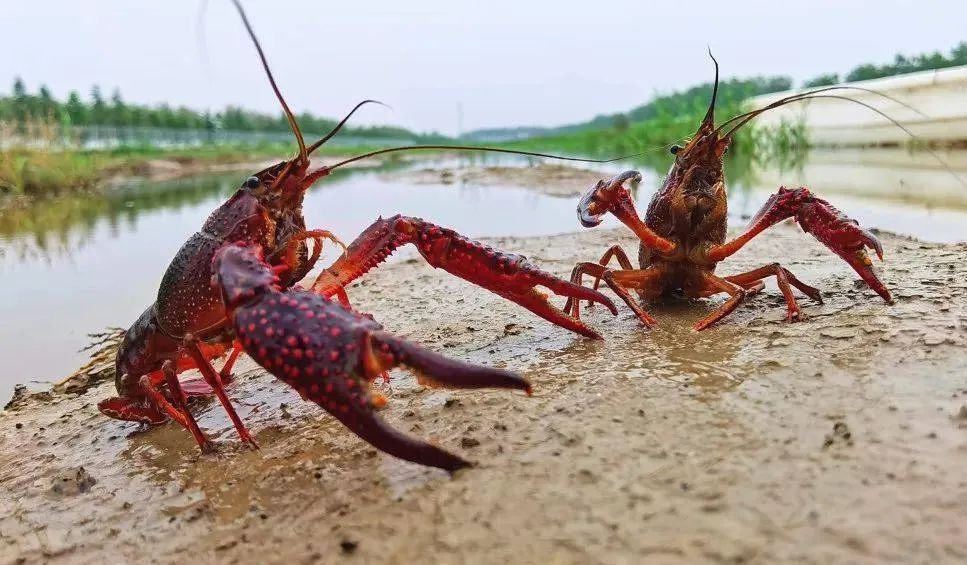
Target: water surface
x,y
79,264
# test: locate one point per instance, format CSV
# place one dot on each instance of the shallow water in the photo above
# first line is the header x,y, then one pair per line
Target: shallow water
x,y
81,264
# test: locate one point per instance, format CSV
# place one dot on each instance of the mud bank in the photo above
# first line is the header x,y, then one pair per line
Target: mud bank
x,y
552,180
185,166
842,438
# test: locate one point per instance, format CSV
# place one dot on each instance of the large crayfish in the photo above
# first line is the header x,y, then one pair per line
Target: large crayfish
x,y
188,325
683,236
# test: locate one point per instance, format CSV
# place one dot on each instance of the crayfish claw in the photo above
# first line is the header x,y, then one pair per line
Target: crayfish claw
x,y
844,236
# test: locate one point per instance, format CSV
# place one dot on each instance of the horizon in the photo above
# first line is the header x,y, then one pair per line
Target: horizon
x,y
206,62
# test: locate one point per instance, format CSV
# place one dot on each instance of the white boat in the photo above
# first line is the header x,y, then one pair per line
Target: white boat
x,y
939,95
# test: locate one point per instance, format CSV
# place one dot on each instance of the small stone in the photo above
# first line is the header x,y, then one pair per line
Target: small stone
x,y
72,482
450,402
838,333
348,545
468,442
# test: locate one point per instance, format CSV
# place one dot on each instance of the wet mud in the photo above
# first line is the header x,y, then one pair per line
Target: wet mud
x,y
842,438
552,180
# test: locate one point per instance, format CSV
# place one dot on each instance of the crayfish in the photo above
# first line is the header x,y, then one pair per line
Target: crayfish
x,y
189,324
683,235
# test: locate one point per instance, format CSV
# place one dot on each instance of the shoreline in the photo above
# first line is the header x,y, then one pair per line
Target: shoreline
x,y
685,446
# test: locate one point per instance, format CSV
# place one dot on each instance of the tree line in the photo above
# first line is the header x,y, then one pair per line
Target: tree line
x,y
22,106
901,65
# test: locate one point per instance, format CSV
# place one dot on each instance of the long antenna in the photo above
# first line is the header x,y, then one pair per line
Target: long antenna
x,y
275,88
475,148
342,123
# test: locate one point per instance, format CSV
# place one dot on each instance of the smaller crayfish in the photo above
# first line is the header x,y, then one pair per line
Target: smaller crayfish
x,y
683,235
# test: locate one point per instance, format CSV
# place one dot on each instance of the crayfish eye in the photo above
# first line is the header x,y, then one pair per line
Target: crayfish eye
x,y
252,182
675,149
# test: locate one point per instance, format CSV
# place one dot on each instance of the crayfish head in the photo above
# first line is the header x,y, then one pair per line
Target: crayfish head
x,y
696,182
281,187
241,273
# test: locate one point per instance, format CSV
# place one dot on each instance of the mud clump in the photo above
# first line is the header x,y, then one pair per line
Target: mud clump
x,y
23,397
961,416
841,435
348,546
72,482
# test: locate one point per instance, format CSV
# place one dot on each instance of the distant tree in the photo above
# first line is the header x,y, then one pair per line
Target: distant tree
x,y
19,89
822,80
621,122
98,108
903,64
119,114
958,54
76,109
19,106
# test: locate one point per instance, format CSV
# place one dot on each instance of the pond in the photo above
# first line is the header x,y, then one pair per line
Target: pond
x,y
76,265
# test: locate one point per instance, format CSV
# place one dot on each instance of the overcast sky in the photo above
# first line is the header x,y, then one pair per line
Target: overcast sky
x,y
507,62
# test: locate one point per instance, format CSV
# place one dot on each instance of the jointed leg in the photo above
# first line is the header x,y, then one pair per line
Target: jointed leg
x,y
612,196
617,252
715,285
752,287
178,403
619,282
215,381
226,371
784,279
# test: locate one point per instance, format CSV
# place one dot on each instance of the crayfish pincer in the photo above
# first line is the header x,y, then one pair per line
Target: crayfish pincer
x,y
330,353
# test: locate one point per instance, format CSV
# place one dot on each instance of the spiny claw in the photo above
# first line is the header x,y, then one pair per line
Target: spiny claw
x,y
846,238
522,291
331,354
873,243
506,274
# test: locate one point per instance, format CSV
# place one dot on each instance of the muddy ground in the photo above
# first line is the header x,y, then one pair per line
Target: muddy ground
x,y
842,438
554,180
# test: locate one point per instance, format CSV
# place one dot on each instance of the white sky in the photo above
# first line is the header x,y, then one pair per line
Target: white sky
x,y
507,62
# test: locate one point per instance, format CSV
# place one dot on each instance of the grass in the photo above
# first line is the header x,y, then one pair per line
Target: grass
x,y
52,170
649,140
55,168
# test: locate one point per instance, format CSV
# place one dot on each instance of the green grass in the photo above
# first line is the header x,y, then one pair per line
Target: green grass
x,y
650,139
38,173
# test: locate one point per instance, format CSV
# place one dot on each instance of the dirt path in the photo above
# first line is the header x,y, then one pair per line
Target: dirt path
x,y
839,439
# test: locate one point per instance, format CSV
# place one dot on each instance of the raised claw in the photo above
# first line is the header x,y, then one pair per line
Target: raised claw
x,y
846,238
330,354
599,199
612,196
